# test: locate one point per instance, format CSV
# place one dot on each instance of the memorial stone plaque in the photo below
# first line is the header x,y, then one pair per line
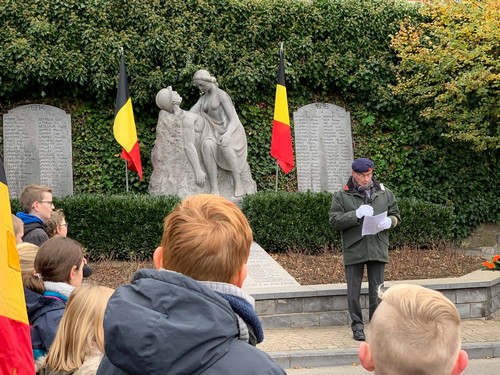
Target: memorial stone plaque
x,y
38,148
323,147
264,271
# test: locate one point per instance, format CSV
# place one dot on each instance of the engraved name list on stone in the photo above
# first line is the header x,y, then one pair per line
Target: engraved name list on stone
x,y
38,148
323,147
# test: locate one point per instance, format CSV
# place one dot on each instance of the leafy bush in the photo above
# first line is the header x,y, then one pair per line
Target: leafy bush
x,y
423,224
119,226
130,226
282,221
449,69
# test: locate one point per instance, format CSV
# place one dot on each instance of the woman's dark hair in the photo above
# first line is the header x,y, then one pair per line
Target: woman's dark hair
x,y
54,261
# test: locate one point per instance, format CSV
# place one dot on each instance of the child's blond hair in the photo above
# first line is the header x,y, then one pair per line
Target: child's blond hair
x,y
81,331
17,224
27,253
415,330
207,238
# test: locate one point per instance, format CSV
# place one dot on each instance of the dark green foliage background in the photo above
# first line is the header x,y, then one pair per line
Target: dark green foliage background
x,y
66,53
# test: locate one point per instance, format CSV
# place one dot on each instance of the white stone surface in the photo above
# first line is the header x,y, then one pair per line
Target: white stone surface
x,y
264,271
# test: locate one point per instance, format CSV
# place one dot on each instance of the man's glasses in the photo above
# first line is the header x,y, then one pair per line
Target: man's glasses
x,y
49,202
64,225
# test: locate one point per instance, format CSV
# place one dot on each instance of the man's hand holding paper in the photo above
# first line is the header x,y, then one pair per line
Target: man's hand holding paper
x,y
375,224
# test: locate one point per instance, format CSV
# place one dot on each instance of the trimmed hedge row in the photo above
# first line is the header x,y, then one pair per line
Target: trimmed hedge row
x,y
117,226
130,226
283,221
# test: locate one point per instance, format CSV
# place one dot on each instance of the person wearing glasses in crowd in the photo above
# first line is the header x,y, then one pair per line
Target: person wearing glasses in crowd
x,y
363,196
38,209
37,206
57,225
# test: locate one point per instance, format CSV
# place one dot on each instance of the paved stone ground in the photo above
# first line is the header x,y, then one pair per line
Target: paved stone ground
x,y
340,337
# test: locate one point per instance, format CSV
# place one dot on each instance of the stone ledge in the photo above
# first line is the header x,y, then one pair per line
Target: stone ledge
x,y
476,295
349,356
476,279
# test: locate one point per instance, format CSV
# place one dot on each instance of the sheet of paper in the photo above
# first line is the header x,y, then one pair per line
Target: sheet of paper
x,y
370,224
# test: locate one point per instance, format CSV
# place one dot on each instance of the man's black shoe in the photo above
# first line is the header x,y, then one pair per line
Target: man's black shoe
x,y
358,335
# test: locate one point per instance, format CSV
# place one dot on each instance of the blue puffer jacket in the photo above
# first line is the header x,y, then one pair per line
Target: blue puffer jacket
x,y
34,231
167,323
44,315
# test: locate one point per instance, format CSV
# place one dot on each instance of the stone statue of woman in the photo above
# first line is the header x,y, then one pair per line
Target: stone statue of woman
x,y
223,139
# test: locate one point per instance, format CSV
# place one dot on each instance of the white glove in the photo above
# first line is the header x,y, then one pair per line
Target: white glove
x,y
364,210
386,224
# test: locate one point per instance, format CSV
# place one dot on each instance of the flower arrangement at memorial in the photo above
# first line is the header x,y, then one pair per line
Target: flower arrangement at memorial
x,y
493,265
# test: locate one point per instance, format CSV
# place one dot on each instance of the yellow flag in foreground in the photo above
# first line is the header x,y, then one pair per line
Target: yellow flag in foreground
x,y
16,355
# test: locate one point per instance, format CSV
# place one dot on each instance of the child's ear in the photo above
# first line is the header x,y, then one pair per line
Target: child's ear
x,y
240,276
34,206
158,257
365,356
72,273
461,363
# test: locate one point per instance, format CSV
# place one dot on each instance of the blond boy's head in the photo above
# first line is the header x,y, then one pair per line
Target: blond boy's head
x,y
18,226
37,200
207,238
414,330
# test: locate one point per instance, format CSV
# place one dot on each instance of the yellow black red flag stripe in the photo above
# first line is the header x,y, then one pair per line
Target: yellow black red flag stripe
x,y
124,128
16,355
281,141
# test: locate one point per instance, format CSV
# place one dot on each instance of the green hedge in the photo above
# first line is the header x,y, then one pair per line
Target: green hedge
x,y
282,221
130,226
119,226
127,226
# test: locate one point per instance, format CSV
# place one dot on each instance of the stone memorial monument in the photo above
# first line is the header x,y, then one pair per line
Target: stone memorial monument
x,y
323,147
38,148
265,272
194,151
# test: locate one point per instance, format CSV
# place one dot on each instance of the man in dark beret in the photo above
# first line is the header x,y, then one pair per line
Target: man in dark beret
x,y
363,196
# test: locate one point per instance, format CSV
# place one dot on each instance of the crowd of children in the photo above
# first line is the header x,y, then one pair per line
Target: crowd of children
x,y
190,315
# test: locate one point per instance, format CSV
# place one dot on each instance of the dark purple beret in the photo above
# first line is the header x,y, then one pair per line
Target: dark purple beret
x,y
362,165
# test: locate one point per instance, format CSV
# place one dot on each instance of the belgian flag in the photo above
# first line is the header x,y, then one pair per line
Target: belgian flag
x,y
281,141
124,126
16,354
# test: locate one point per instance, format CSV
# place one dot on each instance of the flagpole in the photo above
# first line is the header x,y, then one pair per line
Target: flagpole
x,y
277,175
126,176
277,167
126,167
